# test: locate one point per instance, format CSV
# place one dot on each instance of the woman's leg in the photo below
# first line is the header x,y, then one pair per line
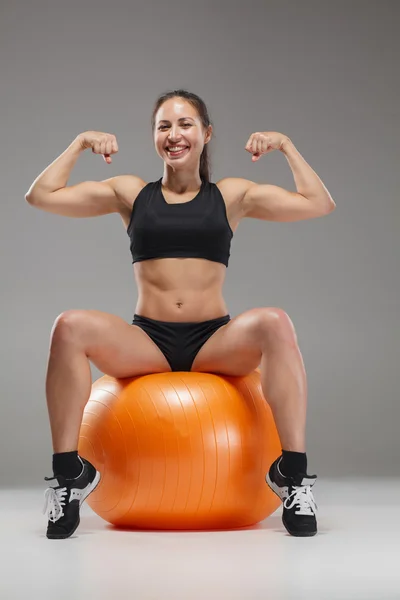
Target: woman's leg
x,y
284,382
117,349
264,337
112,345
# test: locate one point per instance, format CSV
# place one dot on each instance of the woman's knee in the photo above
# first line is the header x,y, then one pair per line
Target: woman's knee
x,y
273,323
70,325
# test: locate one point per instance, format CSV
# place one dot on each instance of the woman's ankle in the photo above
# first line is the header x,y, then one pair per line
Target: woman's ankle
x,y
67,464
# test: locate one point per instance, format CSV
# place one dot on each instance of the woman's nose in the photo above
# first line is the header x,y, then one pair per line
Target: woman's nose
x,y
174,135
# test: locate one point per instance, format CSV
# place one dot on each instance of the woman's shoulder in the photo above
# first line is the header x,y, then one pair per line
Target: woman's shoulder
x,y
233,189
127,188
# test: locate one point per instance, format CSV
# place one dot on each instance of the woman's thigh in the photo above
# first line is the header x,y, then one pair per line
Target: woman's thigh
x,y
114,346
236,348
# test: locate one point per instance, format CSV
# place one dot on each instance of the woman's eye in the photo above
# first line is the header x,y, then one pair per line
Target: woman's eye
x,y
184,125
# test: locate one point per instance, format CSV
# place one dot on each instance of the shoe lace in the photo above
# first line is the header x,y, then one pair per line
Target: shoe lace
x,y
54,503
302,497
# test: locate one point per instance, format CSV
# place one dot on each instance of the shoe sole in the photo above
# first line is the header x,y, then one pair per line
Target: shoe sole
x,y
91,489
278,492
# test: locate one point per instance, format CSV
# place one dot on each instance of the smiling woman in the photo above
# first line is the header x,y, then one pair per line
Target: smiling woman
x,y
189,127
180,228
175,150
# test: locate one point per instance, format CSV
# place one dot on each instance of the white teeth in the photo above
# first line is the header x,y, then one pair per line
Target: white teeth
x,y
176,148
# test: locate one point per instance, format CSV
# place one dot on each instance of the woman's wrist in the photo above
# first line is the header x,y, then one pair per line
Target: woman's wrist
x,y
286,142
77,144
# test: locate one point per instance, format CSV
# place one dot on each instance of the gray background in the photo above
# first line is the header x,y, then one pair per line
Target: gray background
x,y
325,74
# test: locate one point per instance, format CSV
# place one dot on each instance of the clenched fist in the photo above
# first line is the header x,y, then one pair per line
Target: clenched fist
x,y
100,143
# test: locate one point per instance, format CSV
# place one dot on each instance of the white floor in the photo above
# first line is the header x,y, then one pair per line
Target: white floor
x,y
355,555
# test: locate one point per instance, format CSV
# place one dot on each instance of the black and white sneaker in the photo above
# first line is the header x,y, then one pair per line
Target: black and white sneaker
x,y
299,507
63,501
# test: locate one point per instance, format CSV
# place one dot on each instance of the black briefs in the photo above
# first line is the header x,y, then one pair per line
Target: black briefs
x,y
179,342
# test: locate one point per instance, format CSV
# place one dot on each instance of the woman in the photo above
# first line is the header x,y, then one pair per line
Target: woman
x,y
180,229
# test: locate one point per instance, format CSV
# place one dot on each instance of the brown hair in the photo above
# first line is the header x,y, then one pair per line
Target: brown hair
x,y
201,108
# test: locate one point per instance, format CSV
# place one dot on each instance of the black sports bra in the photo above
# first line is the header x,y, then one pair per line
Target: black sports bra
x,y
198,228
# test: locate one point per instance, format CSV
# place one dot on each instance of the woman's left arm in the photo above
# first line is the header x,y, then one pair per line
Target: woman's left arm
x,y
270,202
308,184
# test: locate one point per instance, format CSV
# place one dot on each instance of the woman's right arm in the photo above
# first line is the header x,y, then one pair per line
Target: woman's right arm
x,y
87,199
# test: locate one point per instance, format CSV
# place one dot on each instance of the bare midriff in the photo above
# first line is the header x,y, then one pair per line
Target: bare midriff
x,y
180,289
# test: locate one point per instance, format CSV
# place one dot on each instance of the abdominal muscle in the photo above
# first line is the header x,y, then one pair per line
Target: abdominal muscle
x,y
180,289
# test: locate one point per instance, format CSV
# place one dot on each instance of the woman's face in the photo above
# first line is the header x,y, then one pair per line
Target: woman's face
x,y
179,136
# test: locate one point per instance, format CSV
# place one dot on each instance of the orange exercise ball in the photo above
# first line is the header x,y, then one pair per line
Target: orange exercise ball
x,y
180,450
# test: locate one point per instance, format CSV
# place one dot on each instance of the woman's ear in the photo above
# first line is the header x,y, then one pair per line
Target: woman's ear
x,y
208,134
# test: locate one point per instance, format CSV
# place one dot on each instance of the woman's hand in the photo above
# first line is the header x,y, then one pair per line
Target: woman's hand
x,y
100,143
260,143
